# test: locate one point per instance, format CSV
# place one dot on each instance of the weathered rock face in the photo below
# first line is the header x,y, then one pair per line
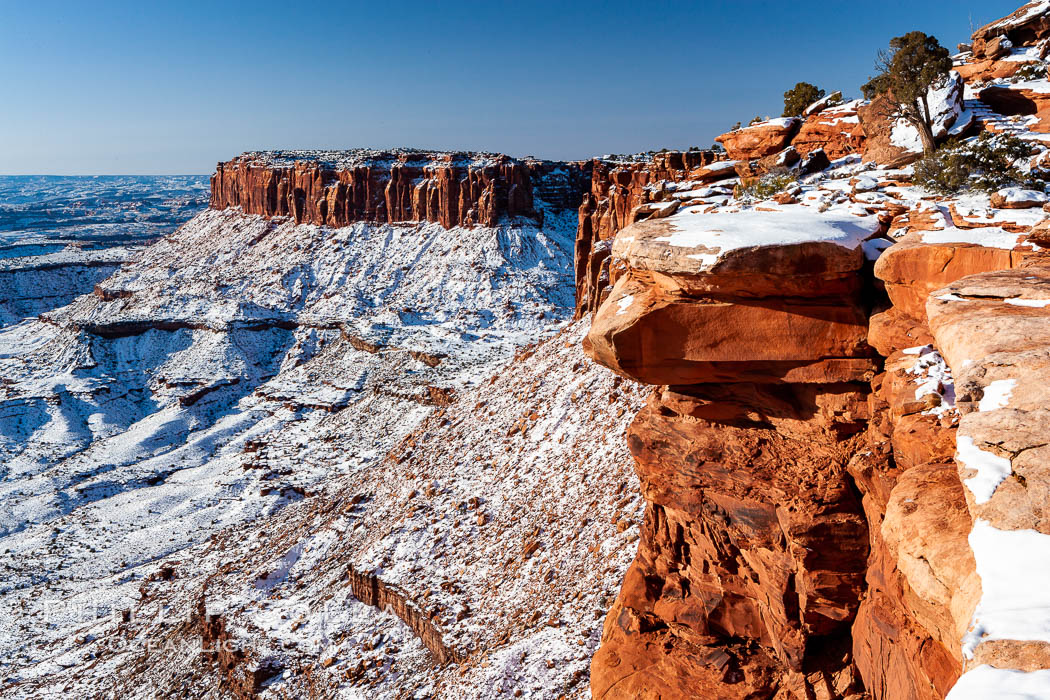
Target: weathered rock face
x,y
913,268
688,314
754,547
760,140
836,130
1027,26
339,188
992,328
752,532
1019,100
987,69
616,190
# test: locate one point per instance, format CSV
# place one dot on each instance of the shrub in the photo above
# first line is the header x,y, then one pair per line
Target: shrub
x,y
987,163
772,183
756,120
1031,71
799,97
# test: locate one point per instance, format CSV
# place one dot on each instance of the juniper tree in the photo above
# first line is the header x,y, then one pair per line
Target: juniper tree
x,y
799,97
914,63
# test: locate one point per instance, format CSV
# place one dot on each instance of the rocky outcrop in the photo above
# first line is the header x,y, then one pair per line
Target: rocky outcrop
x,y
835,130
754,546
617,189
371,590
761,139
1027,26
1020,99
341,187
797,411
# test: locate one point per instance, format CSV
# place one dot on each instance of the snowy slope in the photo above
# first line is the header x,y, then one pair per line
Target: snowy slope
x,y
230,370
61,235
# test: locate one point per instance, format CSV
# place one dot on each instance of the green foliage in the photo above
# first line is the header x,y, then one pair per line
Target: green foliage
x,y
1031,71
915,63
987,163
772,183
799,97
756,120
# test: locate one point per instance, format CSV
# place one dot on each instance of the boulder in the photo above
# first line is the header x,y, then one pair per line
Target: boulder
x,y
836,130
912,268
761,139
747,296
1018,198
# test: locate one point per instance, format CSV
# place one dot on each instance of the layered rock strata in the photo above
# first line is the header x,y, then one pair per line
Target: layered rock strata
x,y
811,404
754,545
336,188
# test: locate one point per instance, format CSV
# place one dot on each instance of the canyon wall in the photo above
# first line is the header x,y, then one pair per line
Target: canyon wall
x,y
842,454
806,531
342,187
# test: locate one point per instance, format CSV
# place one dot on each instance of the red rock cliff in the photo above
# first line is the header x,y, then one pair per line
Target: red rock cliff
x,y
336,188
617,190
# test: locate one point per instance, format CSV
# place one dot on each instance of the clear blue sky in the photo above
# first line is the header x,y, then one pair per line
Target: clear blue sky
x,y
173,87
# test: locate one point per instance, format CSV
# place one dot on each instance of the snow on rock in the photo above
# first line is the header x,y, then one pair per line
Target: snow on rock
x,y
984,682
1014,566
997,394
59,236
1018,198
693,242
946,106
507,520
991,469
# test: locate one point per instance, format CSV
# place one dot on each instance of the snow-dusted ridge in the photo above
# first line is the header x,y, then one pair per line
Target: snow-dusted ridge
x,y
234,368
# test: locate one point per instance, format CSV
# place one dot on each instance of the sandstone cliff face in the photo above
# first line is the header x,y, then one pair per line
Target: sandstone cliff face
x,y
815,509
340,188
754,546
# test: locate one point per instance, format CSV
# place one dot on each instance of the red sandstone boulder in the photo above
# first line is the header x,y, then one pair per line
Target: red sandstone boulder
x,y
760,140
1017,198
657,338
747,296
912,268
837,130
984,70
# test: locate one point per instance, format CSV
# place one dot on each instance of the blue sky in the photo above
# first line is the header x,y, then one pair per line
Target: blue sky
x,y
173,87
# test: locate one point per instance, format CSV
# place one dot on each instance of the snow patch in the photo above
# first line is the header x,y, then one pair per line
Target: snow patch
x,y
991,469
997,395
1014,566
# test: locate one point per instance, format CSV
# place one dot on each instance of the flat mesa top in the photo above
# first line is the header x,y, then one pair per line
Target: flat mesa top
x,y
343,159
691,242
